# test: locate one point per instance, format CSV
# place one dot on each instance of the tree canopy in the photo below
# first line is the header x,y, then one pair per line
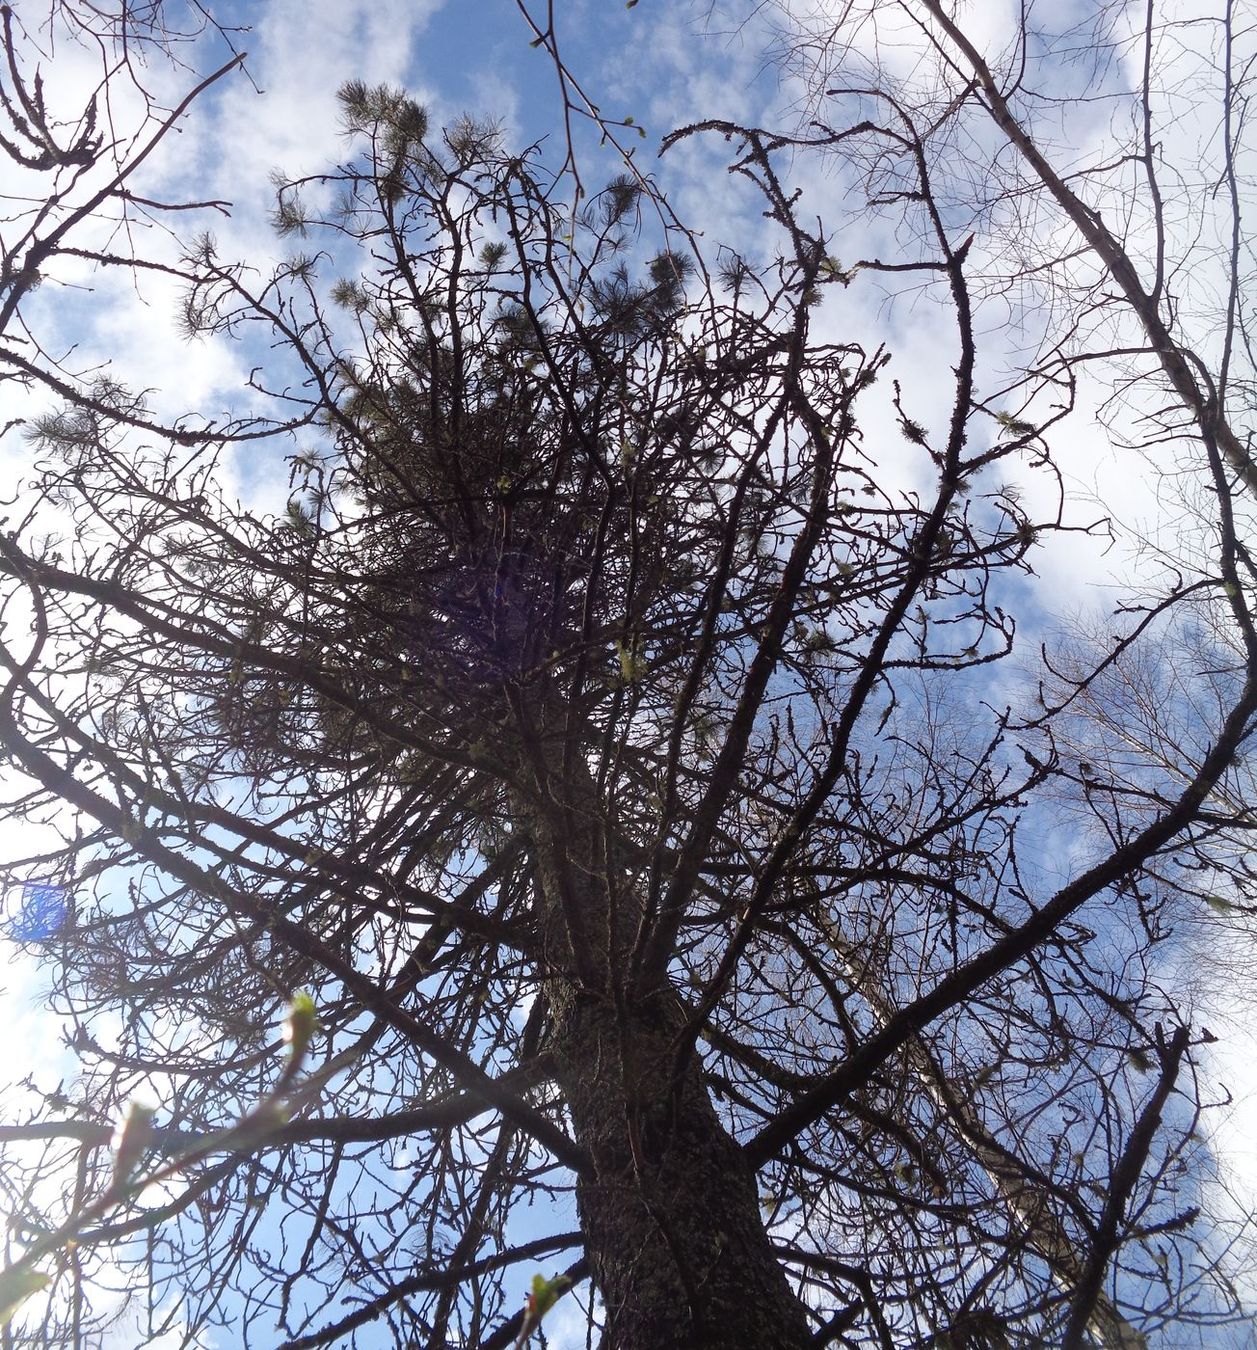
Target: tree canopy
x,y
621,773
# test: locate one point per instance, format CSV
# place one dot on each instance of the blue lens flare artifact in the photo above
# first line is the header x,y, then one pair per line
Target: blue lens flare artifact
x,y
42,911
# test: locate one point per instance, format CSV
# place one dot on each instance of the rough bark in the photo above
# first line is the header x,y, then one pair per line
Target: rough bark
x,y
670,1213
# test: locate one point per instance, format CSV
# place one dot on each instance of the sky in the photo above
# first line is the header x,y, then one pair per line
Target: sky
x,y
663,65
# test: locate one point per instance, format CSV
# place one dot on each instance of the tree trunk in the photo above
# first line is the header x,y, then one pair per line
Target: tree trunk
x,y
671,1216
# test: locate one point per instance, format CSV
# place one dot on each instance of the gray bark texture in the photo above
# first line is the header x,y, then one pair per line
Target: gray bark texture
x,y
670,1211
671,1214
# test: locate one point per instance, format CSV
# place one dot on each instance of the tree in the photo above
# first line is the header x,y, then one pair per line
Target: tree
x,y
1098,162
602,743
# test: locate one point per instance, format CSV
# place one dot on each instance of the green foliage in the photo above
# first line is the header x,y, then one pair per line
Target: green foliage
x,y
16,1286
135,1136
543,1295
299,518
369,109
619,198
299,1028
1015,425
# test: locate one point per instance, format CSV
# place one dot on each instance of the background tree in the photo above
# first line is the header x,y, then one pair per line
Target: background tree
x,y
603,738
1101,163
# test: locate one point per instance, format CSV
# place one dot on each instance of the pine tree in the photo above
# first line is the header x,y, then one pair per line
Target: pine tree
x,y
596,744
